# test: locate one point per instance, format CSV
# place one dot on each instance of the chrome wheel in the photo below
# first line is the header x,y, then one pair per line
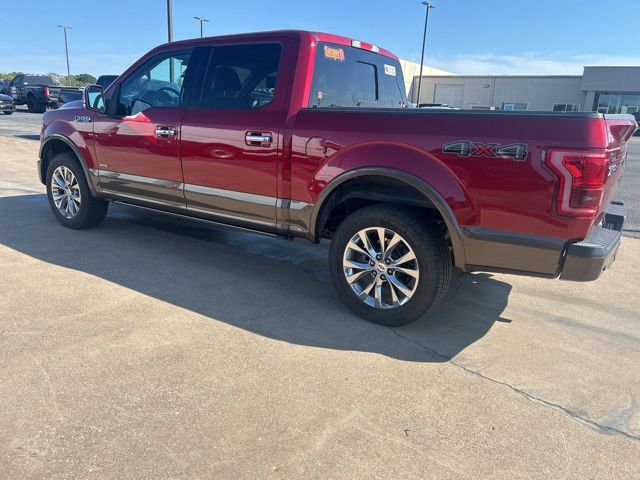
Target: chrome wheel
x,y
65,192
381,268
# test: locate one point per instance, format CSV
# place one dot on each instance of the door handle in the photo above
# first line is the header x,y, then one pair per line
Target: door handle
x,y
166,132
253,138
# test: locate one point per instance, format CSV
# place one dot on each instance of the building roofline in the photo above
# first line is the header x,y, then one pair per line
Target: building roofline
x,y
501,76
612,66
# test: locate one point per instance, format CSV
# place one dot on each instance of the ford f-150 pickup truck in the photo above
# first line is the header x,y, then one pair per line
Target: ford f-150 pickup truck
x,y
308,135
36,91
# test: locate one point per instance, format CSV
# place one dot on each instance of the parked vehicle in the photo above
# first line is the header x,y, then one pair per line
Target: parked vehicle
x,y
36,91
105,80
67,95
637,117
6,104
435,105
302,135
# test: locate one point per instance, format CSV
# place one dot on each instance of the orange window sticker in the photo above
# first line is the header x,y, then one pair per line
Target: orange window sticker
x,y
334,54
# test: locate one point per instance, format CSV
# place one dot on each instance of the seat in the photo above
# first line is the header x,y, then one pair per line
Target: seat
x,y
224,90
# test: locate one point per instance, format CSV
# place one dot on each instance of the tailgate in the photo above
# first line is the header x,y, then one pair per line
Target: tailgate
x,y
54,93
620,128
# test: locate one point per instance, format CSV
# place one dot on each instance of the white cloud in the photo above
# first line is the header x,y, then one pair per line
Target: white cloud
x,y
525,64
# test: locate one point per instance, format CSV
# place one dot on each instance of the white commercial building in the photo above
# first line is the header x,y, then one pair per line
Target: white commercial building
x,y
602,89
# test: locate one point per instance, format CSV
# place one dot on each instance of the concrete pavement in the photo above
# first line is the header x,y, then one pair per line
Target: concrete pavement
x,y
149,349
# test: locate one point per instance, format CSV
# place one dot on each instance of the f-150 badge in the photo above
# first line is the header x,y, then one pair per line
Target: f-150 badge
x,y
82,118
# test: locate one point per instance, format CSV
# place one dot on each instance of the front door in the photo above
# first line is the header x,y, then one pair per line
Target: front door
x,y
138,142
232,139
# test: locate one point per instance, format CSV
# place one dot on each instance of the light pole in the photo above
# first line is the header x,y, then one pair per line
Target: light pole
x,y
424,42
66,51
202,21
169,21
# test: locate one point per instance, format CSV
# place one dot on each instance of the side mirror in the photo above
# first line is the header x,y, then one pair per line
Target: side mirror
x,y
93,97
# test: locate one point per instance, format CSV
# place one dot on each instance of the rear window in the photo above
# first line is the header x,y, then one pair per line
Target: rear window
x,y
37,80
352,77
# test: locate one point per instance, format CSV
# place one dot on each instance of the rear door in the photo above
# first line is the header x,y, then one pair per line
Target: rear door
x,y
232,135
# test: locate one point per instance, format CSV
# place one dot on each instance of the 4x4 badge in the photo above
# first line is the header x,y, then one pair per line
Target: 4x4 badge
x,y
466,148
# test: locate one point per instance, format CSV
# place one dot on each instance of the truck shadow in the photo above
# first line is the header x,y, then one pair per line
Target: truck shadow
x,y
271,287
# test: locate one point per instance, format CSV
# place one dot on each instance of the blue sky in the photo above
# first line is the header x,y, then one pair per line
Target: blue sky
x,y
465,36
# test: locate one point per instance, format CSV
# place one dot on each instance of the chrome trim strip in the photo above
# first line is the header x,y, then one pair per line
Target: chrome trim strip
x,y
231,194
126,177
216,205
117,196
216,214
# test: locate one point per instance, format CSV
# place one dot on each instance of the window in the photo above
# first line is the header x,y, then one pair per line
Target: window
x,y
511,107
37,80
606,102
566,107
241,77
352,77
157,83
366,83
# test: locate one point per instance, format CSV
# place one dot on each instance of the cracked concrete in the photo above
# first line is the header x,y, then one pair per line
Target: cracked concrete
x,y
178,351
527,395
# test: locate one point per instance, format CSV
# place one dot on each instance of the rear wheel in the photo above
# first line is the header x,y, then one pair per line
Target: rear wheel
x,y
32,105
69,196
389,264
8,113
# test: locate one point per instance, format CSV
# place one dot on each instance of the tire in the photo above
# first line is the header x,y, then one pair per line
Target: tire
x,y
85,211
420,239
32,105
41,107
8,113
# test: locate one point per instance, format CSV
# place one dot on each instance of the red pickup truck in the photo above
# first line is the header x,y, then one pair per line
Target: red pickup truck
x,y
309,135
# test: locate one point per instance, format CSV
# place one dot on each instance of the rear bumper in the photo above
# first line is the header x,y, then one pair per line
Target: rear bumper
x,y
586,260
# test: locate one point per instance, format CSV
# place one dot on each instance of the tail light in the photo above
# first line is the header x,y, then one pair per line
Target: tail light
x,y
46,91
581,180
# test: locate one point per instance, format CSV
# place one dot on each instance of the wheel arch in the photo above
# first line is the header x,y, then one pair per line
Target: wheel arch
x,y
333,193
56,143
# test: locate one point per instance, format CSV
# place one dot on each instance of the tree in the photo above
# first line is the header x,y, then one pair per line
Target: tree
x,y
8,76
56,78
84,79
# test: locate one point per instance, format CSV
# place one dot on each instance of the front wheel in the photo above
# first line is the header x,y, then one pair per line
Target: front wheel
x,y
389,264
69,196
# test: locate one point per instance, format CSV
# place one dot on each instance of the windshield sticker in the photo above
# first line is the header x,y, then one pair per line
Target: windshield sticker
x,y
320,95
390,70
334,54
